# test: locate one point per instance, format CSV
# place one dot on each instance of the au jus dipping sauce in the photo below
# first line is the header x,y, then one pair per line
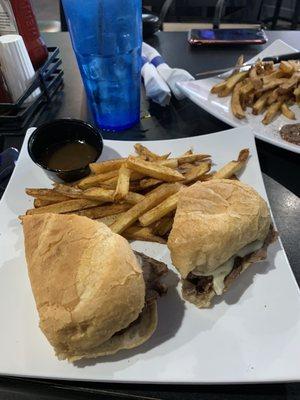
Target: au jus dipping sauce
x,y
68,156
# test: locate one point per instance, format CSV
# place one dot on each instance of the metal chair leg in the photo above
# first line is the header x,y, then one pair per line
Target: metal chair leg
x,y
276,13
260,10
218,13
294,23
164,10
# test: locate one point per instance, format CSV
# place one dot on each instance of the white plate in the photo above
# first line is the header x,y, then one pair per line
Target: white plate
x,y
199,92
251,335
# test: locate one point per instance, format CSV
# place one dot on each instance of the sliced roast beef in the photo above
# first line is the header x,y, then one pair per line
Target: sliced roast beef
x,y
204,284
153,271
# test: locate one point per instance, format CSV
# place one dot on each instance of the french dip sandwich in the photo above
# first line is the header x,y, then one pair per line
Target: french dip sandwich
x,y
221,227
94,295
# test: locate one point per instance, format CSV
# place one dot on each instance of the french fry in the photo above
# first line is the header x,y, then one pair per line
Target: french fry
x,y
290,84
259,66
150,156
237,66
37,204
273,96
188,152
297,94
68,191
286,67
40,192
149,182
64,207
163,226
191,158
248,101
287,112
40,202
156,189
206,177
162,209
233,166
256,80
142,233
108,185
150,201
46,194
107,166
123,184
186,167
109,219
269,67
231,82
272,84
99,194
106,195
155,171
240,61
94,180
272,112
243,155
260,103
197,172
112,182
104,211
134,198
295,64
170,163
246,88
236,107
218,87
274,75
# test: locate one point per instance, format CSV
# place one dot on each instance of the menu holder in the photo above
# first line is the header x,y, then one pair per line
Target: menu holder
x,y
49,78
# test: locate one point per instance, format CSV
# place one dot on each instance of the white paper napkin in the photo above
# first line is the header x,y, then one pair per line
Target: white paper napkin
x,y
16,66
170,75
156,88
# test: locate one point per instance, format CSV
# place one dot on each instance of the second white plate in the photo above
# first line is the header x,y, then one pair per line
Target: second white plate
x,y
199,92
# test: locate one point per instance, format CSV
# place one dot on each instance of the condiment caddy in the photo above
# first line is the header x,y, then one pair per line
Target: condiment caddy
x,y
49,79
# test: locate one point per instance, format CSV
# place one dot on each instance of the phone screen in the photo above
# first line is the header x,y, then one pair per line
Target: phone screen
x,y
227,35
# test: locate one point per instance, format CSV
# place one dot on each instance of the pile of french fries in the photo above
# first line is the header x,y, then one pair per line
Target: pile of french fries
x,y
135,196
264,88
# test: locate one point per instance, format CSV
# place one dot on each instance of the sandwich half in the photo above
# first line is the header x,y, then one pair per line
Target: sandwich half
x,y
221,227
91,293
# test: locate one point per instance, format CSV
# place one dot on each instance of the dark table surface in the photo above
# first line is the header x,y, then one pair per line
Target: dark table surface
x,y
181,119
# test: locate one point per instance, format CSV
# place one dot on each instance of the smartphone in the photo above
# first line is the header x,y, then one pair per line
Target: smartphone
x,y
226,36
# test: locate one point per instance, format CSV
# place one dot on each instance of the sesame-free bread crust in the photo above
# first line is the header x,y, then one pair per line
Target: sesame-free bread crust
x,y
86,282
213,221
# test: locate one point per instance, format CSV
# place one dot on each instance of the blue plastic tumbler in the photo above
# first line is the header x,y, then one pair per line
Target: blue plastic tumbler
x,y
107,39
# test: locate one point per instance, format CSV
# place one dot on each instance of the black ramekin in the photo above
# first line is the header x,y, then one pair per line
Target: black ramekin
x,y
62,131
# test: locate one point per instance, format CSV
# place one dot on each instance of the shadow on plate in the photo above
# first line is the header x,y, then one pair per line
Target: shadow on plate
x,y
15,227
171,310
108,153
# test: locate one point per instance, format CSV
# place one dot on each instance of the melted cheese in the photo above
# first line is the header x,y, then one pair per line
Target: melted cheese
x,y
223,270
